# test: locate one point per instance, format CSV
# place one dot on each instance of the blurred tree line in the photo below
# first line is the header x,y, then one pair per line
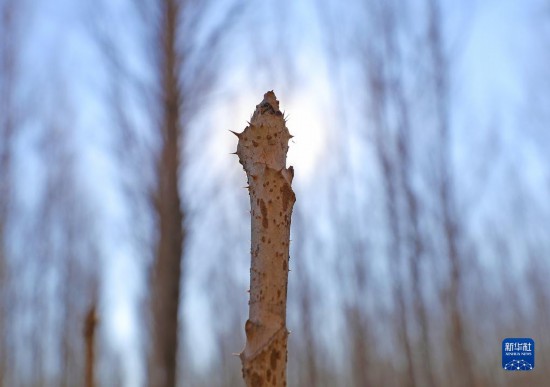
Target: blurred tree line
x,y
420,233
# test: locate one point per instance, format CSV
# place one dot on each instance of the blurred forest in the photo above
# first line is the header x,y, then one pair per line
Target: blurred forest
x,y
420,235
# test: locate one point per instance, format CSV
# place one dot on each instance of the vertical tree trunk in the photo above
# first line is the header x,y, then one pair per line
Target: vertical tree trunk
x,y
262,150
450,222
9,42
167,266
90,324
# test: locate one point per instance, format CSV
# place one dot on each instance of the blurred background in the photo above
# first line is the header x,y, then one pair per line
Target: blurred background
x,y
420,235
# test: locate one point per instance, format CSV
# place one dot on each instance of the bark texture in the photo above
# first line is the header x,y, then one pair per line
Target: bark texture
x,y
262,150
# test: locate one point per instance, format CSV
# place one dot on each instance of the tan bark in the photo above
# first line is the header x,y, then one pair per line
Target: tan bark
x,y
262,150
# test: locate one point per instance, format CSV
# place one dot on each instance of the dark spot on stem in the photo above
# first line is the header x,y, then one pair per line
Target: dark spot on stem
x,y
263,208
273,359
256,380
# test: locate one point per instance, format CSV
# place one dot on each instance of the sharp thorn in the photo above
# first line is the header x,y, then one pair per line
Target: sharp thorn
x,y
236,134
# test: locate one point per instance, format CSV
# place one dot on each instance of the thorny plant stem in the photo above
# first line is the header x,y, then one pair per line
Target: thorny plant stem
x,y
262,150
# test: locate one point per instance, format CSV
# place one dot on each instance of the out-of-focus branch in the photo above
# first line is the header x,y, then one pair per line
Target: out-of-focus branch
x,y
450,221
379,57
9,61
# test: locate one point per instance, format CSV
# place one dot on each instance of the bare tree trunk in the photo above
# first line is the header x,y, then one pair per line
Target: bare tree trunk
x,y
309,370
9,43
184,69
262,150
450,221
90,325
414,237
387,161
167,267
